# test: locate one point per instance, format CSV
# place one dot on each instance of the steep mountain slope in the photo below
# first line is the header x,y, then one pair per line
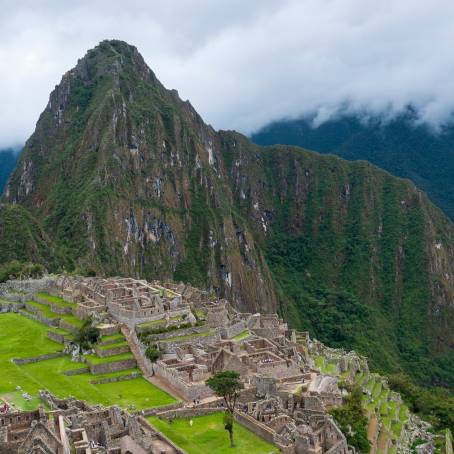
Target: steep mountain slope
x,y
126,178
401,146
8,159
23,239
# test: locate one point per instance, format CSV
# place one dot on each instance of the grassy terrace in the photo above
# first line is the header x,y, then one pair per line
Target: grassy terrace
x,y
207,435
187,337
325,367
93,359
55,300
241,336
113,337
47,312
21,337
156,323
384,404
120,343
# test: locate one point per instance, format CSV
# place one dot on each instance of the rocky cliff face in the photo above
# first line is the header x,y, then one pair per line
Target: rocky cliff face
x,y
126,178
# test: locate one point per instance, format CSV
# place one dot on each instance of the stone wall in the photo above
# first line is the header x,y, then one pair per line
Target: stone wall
x,y
35,359
188,412
228,332
169,347
53,322
116,379
255,426
156,410
179,332
132,318
56,337
105,352
188,390
11,306
68,326
27,286
108,330
82,370
149,427
54,307
114,366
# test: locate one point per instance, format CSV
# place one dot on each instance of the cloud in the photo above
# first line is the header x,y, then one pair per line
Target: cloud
x,y
241,63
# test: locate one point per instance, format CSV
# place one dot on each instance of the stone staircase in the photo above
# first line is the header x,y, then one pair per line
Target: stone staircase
x,y
134,345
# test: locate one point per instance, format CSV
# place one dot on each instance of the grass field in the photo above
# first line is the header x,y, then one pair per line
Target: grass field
x,y
241,336
207,435
21,337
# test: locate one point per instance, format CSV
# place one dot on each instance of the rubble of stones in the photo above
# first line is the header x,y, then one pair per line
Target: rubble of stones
x,y
286,399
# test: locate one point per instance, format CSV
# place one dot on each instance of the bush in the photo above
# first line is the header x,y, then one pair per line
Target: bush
x,y
352,421
87,335
21,270
152,353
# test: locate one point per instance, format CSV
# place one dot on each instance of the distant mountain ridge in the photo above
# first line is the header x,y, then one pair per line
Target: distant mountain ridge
x,y
126,178
402,146
8,159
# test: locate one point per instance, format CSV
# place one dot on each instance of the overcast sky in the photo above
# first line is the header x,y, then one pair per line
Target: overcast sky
x,y
242,63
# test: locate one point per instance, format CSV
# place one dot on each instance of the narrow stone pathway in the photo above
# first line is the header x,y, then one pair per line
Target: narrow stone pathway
x,y
147,375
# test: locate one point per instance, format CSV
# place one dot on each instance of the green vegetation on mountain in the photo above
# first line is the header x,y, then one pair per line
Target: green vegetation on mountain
x,y
126,178
8,159
352,421
403,145
25,249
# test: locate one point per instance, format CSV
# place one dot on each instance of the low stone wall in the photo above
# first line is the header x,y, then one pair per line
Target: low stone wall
x,y
54,307
169,347
115,366
132,318
116,379
35,359
228,332
56,337
155,411
109,330
178,332
53,322
11,306
68,326
105,352
188,412
27,286
255,426
189,391
149,427
82,370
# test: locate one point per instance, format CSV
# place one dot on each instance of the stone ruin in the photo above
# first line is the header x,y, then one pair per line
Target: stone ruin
x,y
71,426
285,398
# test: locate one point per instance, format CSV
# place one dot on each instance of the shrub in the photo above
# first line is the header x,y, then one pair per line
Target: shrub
x,y
87,335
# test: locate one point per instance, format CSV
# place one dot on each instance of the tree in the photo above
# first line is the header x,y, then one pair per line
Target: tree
x,y
152,353
87,335
227,385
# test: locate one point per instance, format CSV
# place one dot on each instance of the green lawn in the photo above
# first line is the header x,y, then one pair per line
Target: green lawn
x,y
207,435
93,359
21,337
120,343
241,336
55,299
111,337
